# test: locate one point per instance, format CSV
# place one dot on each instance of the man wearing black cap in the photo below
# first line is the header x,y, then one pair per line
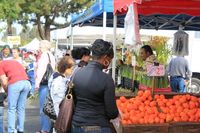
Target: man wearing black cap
x,y
6,53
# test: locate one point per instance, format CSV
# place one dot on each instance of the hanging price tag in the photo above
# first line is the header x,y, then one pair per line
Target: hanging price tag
x,y
153,70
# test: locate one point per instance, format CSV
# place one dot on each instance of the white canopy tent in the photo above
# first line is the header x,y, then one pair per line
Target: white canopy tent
x,y
32,46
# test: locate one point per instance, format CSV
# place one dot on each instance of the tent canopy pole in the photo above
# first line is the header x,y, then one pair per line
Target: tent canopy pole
x,y
104,25
114,45
72,38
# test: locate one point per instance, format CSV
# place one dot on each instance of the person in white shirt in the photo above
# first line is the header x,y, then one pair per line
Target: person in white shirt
x,y
41,66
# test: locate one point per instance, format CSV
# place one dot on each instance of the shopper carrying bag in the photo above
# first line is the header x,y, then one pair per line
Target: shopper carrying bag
x,y
64,119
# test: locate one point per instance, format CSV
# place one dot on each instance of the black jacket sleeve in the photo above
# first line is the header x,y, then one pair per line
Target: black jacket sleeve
x,y
109,99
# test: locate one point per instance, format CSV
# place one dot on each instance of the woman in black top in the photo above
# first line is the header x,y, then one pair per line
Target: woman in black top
x,y
94,93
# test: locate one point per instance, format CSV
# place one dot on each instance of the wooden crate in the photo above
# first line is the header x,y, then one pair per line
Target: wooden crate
x,y
176,127
180,127
184,127
154,128
144,128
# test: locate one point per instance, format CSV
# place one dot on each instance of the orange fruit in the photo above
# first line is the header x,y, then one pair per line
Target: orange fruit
x,y
156,96
187,97
183,99
122,99
184,118
162,116
150,98
177,103
194,99
140,93
162,121
157,120
185,105
162,97
141,121
177,119
169,118
147,102
153,104
179,109
192,105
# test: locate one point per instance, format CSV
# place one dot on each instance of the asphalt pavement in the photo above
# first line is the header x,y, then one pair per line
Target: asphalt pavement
x,y
32,117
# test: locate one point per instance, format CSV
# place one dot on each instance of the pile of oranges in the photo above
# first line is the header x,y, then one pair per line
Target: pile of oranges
x,y
145,109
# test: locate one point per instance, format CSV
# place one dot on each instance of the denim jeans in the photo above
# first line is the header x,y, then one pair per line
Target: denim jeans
x,y
17,94
1,119
90,129
32,87
44,120
177,84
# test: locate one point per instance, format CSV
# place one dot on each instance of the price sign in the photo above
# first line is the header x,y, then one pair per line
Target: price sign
x,y
155,70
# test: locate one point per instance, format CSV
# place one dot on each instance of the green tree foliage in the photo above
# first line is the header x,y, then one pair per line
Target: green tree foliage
x,y
9,12
44,13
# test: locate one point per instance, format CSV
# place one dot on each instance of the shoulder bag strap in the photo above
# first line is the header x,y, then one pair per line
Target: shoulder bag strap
x,y
49,58
70,85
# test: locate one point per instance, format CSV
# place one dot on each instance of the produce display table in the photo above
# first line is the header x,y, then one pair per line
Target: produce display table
x,y
167,127
183,127
140,128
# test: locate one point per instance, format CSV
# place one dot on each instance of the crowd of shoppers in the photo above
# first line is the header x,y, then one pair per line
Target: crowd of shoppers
x,y
18,88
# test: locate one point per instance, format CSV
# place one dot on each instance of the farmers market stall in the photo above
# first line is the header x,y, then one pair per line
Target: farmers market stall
x,y
146,113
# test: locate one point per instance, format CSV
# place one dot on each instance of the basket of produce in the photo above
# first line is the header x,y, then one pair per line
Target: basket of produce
x,y
145,113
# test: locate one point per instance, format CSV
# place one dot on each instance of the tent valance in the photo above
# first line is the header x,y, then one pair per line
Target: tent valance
x,y
121,6
167,7
95,10
153,14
